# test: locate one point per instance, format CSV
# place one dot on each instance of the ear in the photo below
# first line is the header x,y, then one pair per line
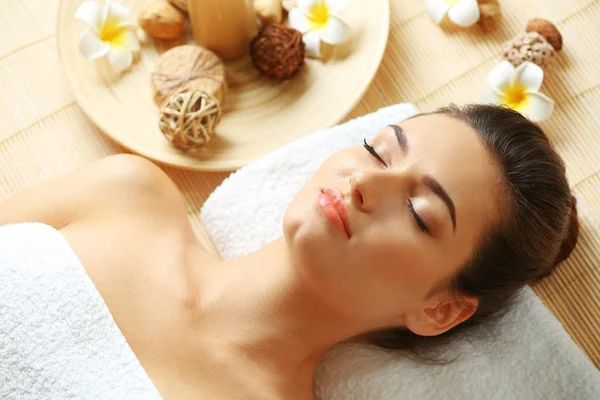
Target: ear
x,y
439,316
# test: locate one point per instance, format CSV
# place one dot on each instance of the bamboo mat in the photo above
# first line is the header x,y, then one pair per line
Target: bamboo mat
x,y
43,133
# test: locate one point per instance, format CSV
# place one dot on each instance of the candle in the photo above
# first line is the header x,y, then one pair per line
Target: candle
x,y
223,26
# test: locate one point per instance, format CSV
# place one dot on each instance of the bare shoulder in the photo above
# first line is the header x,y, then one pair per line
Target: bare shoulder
x,y
138,185
118,186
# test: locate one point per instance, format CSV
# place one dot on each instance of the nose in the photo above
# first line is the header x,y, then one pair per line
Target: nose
x,y
370,188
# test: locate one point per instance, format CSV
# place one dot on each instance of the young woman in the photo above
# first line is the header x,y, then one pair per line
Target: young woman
x,y
431,227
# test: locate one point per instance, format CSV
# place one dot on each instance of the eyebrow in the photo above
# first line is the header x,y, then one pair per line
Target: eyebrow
x,y
428,180
401,137
436,188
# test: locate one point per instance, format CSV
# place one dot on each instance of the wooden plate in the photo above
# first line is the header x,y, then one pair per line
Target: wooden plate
x,y
260,115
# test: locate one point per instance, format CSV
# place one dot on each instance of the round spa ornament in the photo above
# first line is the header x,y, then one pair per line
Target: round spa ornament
x,y
188,68
161,19
538,44
277,51
188,119
516,81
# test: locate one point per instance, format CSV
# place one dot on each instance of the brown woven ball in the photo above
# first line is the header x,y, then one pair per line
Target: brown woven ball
x,y
277,51
529,47
188,119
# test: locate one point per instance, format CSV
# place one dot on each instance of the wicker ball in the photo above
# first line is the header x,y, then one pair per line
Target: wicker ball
x,y
188,119
277,51
529,46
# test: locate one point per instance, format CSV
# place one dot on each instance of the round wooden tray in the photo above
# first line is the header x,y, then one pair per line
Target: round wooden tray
x,y
260,115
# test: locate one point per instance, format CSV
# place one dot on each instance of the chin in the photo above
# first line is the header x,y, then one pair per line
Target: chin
x,y
302,232
313,248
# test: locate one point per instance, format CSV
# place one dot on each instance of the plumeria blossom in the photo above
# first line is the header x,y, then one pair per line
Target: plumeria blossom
x,y
461,12
319,20
518,88
109,33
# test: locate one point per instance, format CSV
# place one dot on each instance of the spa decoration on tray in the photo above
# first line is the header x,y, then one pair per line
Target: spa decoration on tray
x,y
188,68
188,119
269,11
161,19
465,13
189,81
277,51
109,33
319,21
516,80
189,84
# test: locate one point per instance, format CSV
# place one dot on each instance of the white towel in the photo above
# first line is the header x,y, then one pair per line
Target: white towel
x,y
528,355
57,337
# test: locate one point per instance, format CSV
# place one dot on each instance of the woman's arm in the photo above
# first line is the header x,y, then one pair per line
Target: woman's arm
x,y
121,184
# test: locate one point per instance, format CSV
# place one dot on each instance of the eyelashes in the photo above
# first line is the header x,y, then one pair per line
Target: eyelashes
x,y
420,223
371,150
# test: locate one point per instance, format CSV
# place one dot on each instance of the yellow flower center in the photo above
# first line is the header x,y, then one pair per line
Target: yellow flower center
x,y
112,33
515,96
319,14
451,2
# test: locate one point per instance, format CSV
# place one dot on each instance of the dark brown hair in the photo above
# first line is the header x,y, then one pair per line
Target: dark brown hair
x,y
538,228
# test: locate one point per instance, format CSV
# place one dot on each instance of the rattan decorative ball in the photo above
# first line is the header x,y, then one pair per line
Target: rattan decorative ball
x,y
277,51
529,46
188,119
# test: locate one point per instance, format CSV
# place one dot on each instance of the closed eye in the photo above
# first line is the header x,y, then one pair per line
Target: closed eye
x,y
420,223
371,150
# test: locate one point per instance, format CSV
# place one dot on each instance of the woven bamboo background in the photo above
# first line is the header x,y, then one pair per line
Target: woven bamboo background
x,y
44,134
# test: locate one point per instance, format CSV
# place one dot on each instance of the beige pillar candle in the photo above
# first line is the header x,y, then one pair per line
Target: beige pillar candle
x,y
223,26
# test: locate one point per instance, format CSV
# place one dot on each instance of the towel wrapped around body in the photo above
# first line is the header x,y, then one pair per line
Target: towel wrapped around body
x,y
57,338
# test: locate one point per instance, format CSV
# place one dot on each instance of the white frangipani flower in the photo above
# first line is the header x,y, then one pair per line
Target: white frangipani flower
x,y
461,12
318,20
518,88
109,34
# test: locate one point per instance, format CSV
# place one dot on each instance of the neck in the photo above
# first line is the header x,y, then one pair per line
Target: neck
x,y
259,306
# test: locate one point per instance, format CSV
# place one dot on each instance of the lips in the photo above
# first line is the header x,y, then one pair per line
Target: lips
x,y
335,210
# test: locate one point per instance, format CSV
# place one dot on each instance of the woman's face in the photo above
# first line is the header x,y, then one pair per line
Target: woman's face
x,y
374,231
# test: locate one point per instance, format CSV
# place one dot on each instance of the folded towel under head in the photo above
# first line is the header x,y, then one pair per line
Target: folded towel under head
x,y
527,355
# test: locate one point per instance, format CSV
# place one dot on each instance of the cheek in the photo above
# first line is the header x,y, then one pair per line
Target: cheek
x,y
397,266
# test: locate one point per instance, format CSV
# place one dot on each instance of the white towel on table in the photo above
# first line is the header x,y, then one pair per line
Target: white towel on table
x,y
528,355
57,337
